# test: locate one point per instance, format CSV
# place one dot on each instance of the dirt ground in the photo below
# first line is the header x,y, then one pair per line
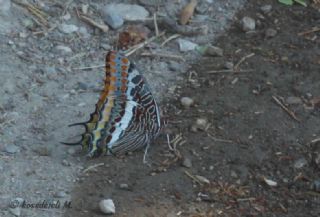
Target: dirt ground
x,y
248,146
250,142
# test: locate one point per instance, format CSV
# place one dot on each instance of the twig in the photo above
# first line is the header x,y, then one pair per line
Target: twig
x,y
171,56
155,24
229,71
169,39
192,177
242,60
314,29
219,140
89,67
285,108
92,167
103,27
314,141
141,45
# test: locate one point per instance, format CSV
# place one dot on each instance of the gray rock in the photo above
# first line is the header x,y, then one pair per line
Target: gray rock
x,y
61,194
228,65
248,24
84,32
174,66
68,28
298,164
186,102
270,33
130,12
63,49
66,163
214,51
50,70
292,100
107,206
124,186
266,9
113,19
186,45
11,149
187,162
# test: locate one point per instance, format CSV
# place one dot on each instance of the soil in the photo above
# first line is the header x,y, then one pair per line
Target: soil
x,y
251,143
251,157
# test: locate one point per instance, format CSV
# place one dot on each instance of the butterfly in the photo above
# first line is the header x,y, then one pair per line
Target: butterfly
x,y
126,116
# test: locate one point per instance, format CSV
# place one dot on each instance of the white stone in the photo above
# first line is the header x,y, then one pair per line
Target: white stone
x,y
107,206
248,24
128,11
186,45
68,28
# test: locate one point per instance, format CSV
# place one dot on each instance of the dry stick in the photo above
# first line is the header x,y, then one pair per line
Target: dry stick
x,y
229,71
89,67
314,29
242,60
169,39
92,167
285,108
141,45
219,140
192,177
103,27
314,141
172,56
155,24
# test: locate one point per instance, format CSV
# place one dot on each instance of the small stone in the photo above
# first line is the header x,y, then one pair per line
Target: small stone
x,y
84,32
82,86
9,86
203,179
130,12
233,174
186,45
214,51
43,151
107,206
248,24
187,162
66,163
124,186
201,123
68,28
174,66
270,33
266,9
113,19
105,46
186,102
71,151
63,49
11,149
228,65
298,164
61,194
292,100
50,70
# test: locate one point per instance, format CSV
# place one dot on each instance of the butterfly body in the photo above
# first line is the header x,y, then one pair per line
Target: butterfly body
x,y
126,116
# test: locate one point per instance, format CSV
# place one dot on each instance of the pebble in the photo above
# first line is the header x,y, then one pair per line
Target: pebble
x,y
298,164
11,149
9,86
228,65
68,28
201,123
14,206
5,6
187,162
71,151
186,102
248,24
203,179
174,66
66,163
61,194
130,12
113,19
266,8
63,49
270,33
214,51
292,100
84,32
186,45
107,206
50,70
124,186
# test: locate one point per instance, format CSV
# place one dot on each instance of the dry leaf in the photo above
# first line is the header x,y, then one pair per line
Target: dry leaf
x,y
187,12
